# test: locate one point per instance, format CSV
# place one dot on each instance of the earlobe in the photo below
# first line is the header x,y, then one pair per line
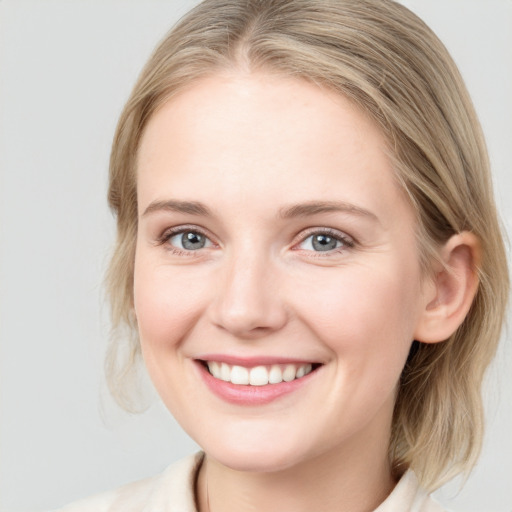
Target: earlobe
x,y
453,286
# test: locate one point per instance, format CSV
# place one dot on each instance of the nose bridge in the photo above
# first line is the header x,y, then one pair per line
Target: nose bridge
x,y
249,302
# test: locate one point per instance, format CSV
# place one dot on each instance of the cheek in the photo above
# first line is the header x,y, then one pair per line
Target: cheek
x,y
167,304
363,312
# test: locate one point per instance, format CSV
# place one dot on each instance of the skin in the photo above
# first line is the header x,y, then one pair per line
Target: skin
x,y
248,147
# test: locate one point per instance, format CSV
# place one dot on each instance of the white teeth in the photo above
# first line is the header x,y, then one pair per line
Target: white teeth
x,y
214,368
289,373
276,375
225,372
258,375
239,375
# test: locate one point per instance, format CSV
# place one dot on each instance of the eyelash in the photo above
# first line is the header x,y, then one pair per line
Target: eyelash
x,y
346,241
166,236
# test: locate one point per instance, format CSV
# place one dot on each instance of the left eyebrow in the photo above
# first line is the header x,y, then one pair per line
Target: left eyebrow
x,y
189,207
316,207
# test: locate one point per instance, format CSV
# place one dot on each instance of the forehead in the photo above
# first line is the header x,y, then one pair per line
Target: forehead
x,y
269,136
261,106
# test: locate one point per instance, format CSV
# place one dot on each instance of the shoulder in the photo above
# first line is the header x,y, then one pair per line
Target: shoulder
x,y
170,491
408,496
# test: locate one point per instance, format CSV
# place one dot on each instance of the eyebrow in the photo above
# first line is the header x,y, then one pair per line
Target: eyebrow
x,y
316,207
289,212
172,205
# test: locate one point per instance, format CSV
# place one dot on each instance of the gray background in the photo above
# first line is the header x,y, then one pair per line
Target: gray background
x,y
66,67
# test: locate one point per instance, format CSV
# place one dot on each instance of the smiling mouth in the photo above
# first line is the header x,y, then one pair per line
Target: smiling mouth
x,y
261,375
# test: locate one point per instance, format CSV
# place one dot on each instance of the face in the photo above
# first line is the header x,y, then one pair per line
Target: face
x,y
277,279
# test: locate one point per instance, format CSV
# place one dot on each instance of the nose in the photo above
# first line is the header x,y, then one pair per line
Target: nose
x,y
249,300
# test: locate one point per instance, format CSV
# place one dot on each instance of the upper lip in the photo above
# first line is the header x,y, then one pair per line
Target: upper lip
x,y
252,361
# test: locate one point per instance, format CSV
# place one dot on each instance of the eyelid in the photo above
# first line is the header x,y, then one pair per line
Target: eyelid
x,y
168,233
347,240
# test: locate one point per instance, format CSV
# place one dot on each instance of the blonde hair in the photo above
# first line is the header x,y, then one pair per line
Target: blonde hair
x,y
386,60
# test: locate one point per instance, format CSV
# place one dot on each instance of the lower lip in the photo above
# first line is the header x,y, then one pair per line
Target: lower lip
x,y
250,395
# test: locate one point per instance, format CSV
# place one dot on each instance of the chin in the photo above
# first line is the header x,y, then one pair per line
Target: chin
x,y
254,461
257,455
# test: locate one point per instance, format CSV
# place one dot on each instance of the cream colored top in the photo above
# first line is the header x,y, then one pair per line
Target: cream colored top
x,y
173,491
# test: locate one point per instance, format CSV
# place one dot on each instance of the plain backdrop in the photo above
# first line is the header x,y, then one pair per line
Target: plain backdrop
x,y
66,68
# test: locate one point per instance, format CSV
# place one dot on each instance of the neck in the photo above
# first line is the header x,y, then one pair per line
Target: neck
x,y
345,479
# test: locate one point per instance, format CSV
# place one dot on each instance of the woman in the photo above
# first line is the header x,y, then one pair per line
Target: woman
x,y
308,258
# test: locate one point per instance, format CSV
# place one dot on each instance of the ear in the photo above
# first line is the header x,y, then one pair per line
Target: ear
x,y
452,289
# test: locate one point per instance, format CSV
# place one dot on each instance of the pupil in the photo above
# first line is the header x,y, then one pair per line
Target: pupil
x,y
324,243
192,240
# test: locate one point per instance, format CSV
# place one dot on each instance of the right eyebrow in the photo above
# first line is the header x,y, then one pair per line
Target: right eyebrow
x,y
172,205
316,207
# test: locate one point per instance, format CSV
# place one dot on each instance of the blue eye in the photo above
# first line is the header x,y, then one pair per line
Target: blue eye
x,y
324,242
189,240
